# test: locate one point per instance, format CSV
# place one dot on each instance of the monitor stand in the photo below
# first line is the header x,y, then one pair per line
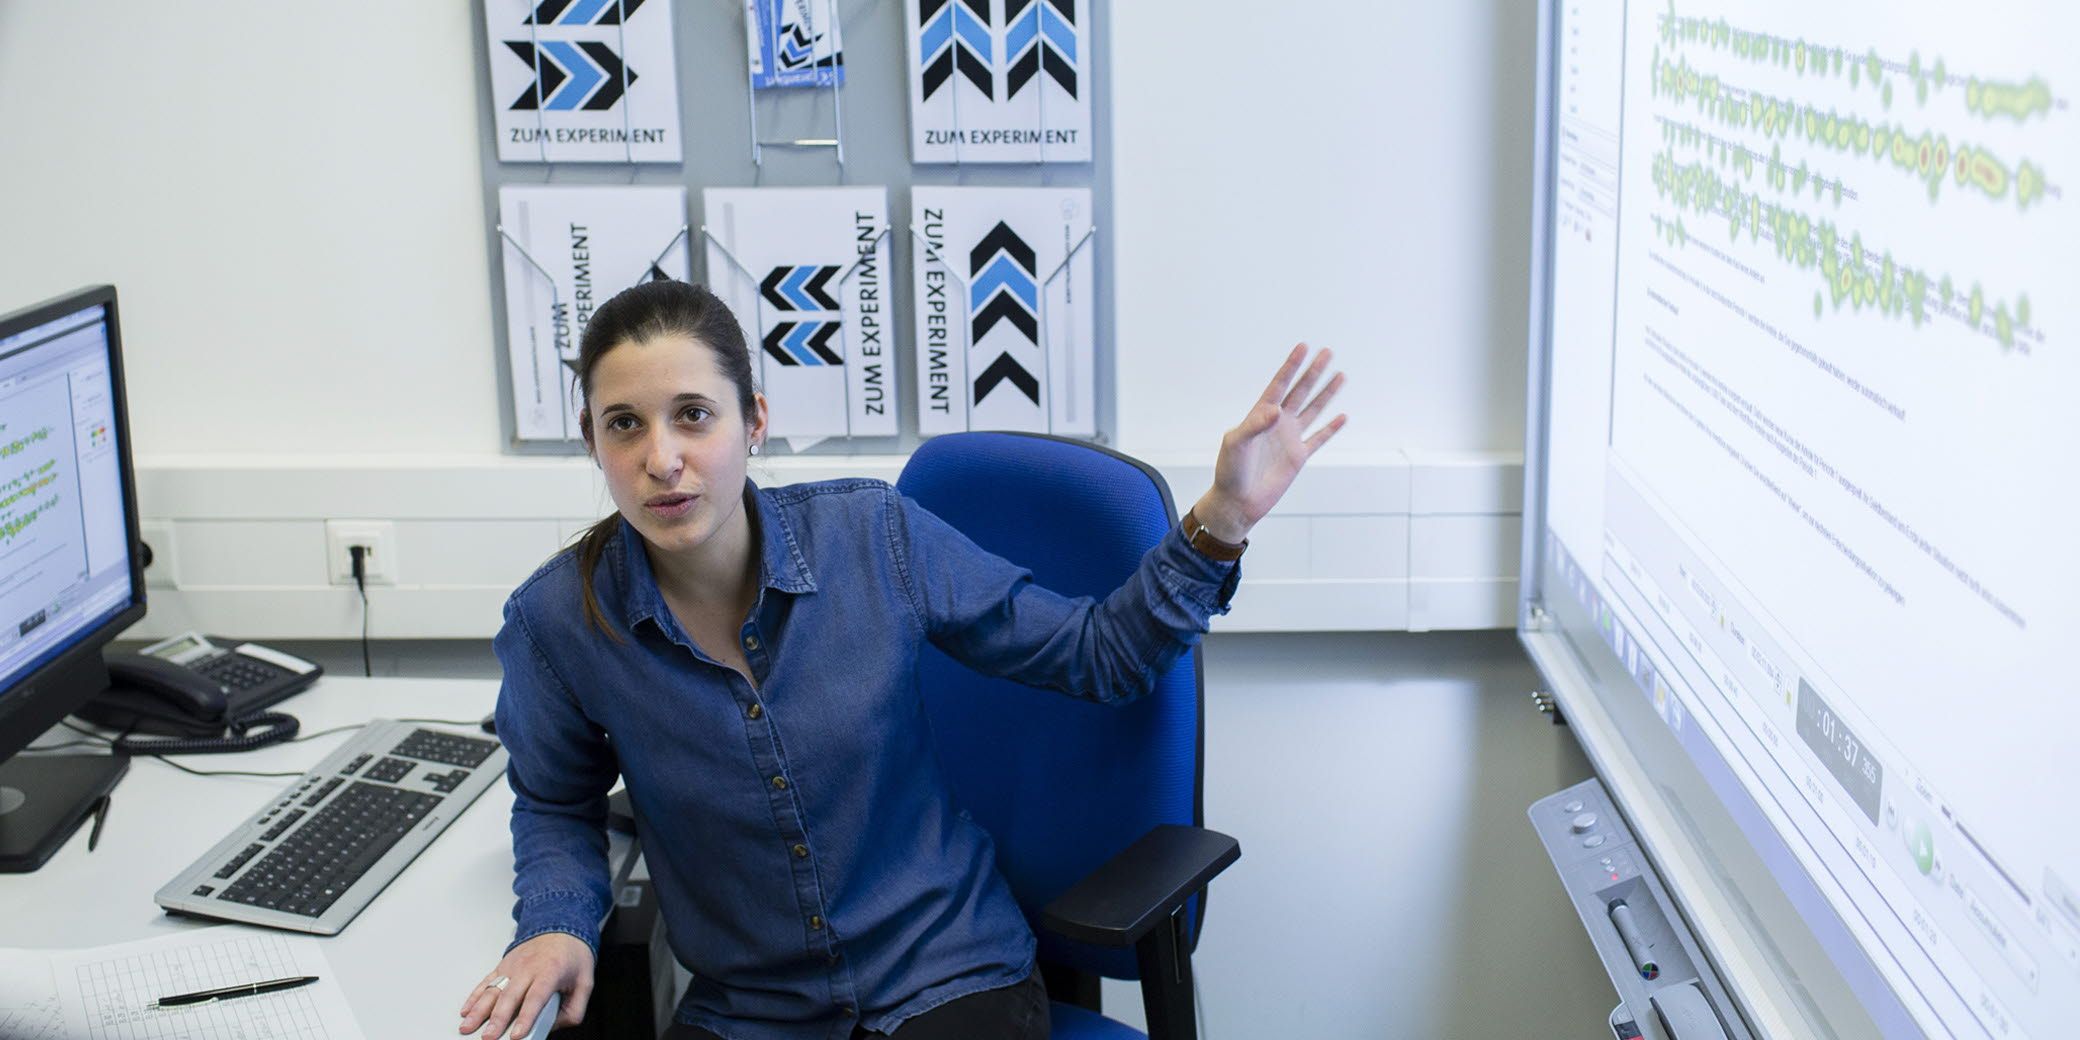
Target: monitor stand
x,y
44,798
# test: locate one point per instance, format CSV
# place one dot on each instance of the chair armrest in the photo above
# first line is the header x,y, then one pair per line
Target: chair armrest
x,y
1134,891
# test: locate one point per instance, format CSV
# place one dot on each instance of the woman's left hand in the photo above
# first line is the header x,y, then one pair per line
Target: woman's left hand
x,y
1260,457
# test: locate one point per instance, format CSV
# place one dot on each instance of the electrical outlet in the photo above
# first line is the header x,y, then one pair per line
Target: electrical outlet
x,y
379,563
164,573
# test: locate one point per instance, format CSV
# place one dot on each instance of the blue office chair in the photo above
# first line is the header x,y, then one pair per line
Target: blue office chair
x,y
1095,809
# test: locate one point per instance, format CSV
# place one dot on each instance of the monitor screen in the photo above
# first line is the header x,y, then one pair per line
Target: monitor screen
x,y
1806,467
65,561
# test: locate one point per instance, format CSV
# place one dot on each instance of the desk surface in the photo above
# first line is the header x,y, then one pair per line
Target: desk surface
x,y
405,963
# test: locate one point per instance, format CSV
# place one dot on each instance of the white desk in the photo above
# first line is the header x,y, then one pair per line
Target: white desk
x,y
405,963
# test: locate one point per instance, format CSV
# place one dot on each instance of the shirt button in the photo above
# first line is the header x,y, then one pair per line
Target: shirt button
x,y
756,710
801,852
779,783
750,642
815,922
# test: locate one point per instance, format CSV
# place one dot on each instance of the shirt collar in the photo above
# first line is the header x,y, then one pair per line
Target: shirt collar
x,y
780,564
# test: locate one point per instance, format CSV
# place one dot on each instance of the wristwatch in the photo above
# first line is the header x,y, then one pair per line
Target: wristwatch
x,y
1208,546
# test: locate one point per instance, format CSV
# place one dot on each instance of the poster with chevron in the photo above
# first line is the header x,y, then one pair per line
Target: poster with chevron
x,y
794,43
583,80
1005,314
566,252
805,270
999,81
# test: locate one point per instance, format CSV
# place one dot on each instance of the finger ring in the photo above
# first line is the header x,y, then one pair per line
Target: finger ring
x,y
498,983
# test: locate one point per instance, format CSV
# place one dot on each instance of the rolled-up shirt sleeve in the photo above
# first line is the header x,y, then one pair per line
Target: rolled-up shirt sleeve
x,y
988,613
560,770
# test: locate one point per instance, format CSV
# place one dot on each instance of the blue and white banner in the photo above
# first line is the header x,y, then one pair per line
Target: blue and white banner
x,y
1005,314
794,43
583,80
805,270
999,81
567,251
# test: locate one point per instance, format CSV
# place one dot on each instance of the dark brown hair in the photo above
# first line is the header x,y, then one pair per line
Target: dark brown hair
x,y
642,312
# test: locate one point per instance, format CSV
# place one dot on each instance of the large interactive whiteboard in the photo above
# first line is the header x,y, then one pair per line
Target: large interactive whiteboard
x,y
1804,465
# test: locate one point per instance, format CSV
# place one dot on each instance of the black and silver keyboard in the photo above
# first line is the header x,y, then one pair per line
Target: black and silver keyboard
x,y
320,851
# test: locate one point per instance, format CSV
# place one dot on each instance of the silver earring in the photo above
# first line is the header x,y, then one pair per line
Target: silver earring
x,y
754,449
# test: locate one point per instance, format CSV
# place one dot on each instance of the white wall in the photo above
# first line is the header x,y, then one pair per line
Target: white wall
x,y
290,199
286,195
1353,174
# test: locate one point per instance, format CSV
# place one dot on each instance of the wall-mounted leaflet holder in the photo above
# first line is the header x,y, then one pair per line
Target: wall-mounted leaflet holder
x,y
1072,351
835,142
572,90
865,249
541,378
543,339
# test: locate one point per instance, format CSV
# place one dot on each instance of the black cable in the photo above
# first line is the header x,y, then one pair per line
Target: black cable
x,y
359,554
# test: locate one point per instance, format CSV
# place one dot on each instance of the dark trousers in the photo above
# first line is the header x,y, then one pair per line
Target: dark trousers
x,y
1014,1012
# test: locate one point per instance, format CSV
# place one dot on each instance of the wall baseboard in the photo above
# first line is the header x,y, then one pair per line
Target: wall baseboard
x,y
1408,542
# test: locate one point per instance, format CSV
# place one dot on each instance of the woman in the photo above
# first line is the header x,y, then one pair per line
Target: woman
x,y
745,658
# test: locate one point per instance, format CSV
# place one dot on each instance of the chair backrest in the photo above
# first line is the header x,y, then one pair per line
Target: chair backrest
x,y
1061,784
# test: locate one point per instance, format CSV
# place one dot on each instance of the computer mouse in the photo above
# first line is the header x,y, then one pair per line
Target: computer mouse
x,y
490,724
546,1018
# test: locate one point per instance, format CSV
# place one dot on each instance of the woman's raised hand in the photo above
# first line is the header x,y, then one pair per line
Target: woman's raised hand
x,y
1260,457
549,963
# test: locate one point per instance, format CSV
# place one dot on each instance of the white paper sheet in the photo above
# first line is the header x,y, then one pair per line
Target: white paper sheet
x,y
108,992
598,82
1005,310
805,270
29,1007
999,81
592,243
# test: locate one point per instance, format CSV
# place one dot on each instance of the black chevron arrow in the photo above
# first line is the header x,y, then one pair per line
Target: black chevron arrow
x,y
819,342
1001,239
770,288
1003,368
1005,307
772,344
618,78
815,287
1041,54
548,79
957,56
970,66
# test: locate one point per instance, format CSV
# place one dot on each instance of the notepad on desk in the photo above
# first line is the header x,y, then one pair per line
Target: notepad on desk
x,y
113,991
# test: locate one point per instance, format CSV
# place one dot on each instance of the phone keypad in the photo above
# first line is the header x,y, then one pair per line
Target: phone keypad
x,y
238,673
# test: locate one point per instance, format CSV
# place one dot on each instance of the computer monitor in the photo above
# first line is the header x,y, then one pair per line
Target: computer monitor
x,y
71,577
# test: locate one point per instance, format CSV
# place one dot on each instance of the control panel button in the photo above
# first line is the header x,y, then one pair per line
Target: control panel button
x,y
1583,824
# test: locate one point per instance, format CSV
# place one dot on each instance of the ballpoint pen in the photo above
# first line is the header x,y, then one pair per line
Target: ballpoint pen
x,y
100,817
247,990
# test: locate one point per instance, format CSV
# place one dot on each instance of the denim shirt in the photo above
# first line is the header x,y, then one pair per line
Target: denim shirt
x,y
812,869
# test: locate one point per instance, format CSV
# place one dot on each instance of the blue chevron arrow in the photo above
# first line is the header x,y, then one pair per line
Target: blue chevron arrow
x,y
584,74
797,342
1004,273
582,12
1041,18
794,50
791,288
955,18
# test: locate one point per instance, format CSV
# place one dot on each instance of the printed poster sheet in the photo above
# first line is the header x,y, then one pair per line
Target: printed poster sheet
x,y
794,43
583,80
567,251
1005,313
806,272
999,81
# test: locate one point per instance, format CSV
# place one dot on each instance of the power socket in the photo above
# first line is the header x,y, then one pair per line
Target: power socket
x,y
379,564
